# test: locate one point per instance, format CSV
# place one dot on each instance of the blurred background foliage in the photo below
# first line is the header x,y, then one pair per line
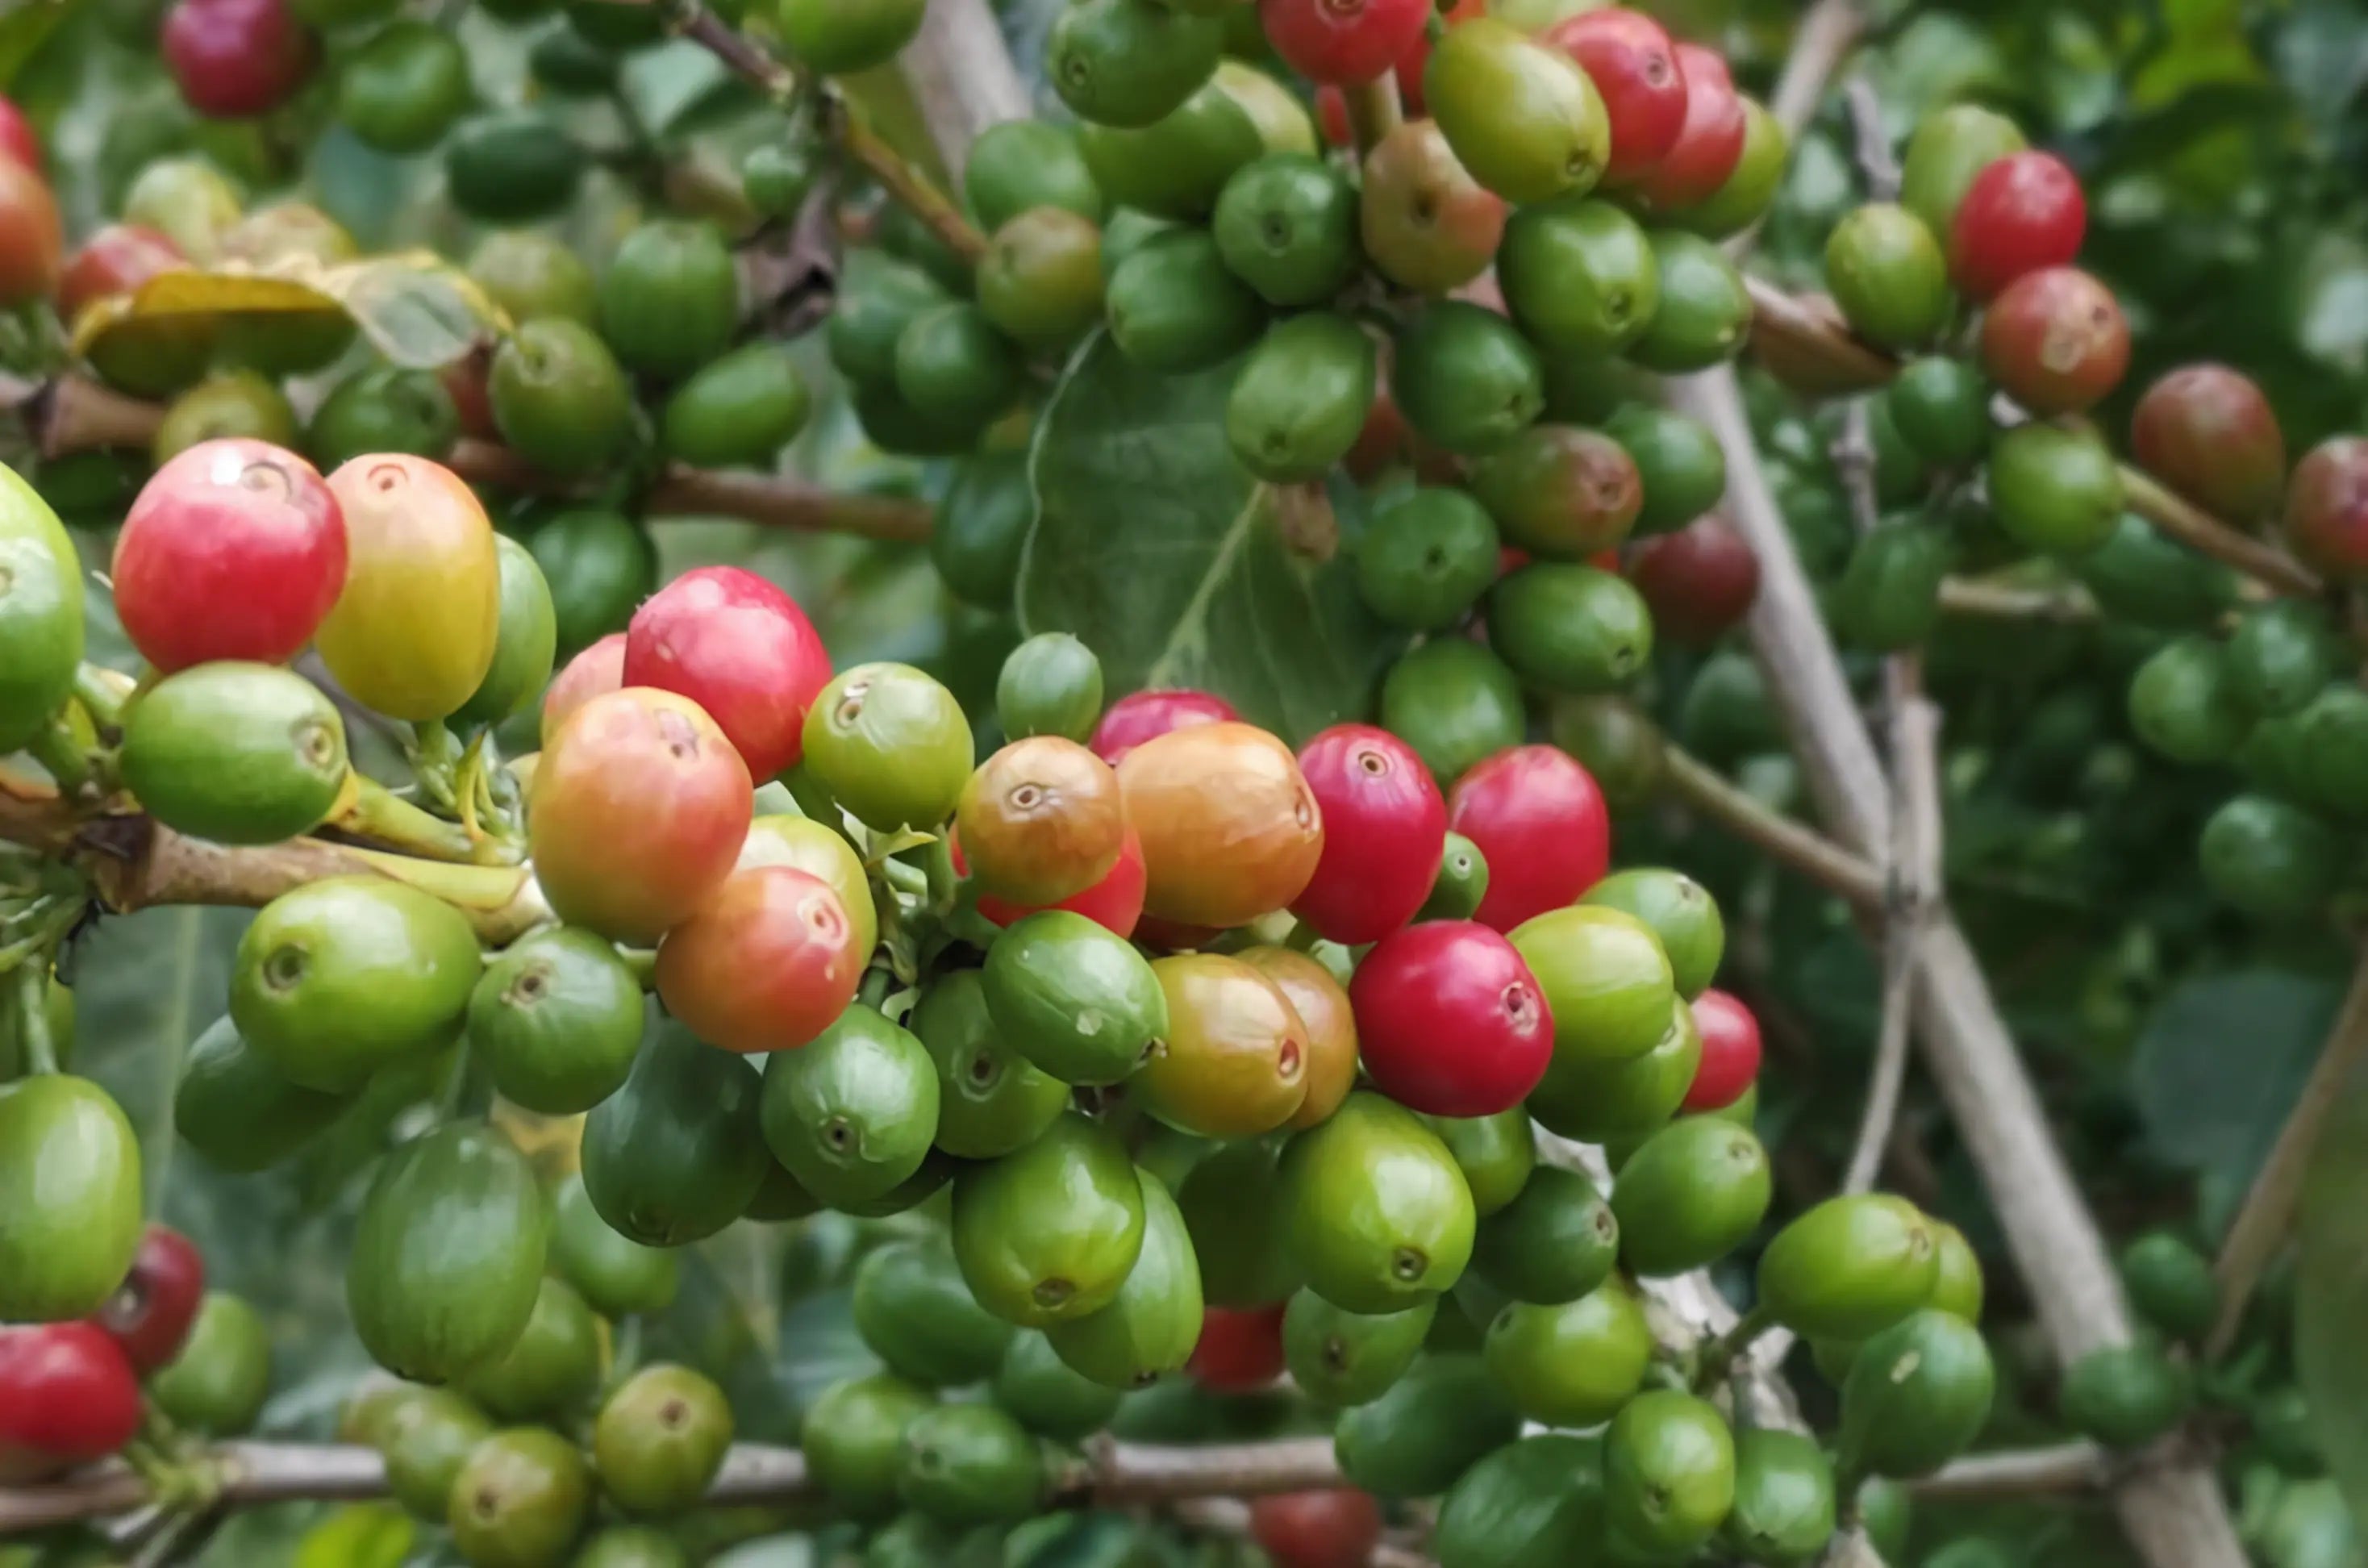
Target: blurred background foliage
x,y
2222,144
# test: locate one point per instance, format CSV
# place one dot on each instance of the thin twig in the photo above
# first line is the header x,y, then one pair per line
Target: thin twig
x,y
1793,845
2069,605
1828,31
246,1475
1910,856
1374,109
2261,1225
2018,1473
962,77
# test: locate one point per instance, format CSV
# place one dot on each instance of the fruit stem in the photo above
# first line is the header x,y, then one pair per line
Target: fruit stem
x,y
945,887
1716,1357
375,813
1373,107
31,987
1304,937
103,692
61,752
878,981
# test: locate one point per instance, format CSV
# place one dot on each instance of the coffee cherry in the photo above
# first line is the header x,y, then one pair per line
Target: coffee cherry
x,y
1560,492
418,621
236,59
1239,1349
1330,43
2055,341
1384,824
1521,115
1630,60
637,814
1142,715
765,963
1730,1053
1887,274
1425,224
233,550
1541,822
1699,581
18,140
1042,821
1709,142
1337,1528
2208,432
67,1397
1115,903
739,648
2022,213
2326,508
1230,829
1450,1021
598,670
32,236
150,1314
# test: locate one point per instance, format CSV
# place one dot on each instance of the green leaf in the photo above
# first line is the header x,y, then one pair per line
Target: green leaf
x,y
1157,549
663,87
24,29
2218,1065
363,1535
2331,1296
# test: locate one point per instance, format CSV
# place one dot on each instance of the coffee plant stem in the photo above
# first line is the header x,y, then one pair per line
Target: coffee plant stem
x,y
1708,794
2173,1514
1978,596
844,123
2261,1225
1828,31
2018,1473
1912,857
963,78
249,1474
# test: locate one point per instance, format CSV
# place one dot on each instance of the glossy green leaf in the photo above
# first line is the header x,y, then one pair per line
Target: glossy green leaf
x,y
1157,549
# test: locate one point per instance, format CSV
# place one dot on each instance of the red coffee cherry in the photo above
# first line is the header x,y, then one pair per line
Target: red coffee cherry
x,y
2208,432
2055,341
32,238
18,138
1632,63
1450,1020
1239,1349
2326,508
1115,903
1145,715
114,260
149,1313
236,59
1708,142
1699,581
1418,56
67,1397
1542,825
233,550
1334,1528
742,650
599,669
1384,829
1342,41
1730,1051
2022,213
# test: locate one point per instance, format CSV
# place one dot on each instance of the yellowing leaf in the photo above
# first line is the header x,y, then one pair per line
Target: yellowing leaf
x,y
361,1535
417,309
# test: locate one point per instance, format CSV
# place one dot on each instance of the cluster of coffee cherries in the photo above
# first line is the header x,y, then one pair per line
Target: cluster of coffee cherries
x,y
72,1390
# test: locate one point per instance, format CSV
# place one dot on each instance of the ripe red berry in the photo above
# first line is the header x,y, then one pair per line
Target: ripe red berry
x,y
114,260
1632,63
236,59
1115,903
1699,581
32,236
1238,1349
2207,432
67,1397
741,649
1730,1051
233,550
1384,829
599,669
149,1313
2326,508
1542,825
1342,41
18,138
1450,1020
1145,715
2055,341
2022,212
1708,142
766,964
1337,1528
